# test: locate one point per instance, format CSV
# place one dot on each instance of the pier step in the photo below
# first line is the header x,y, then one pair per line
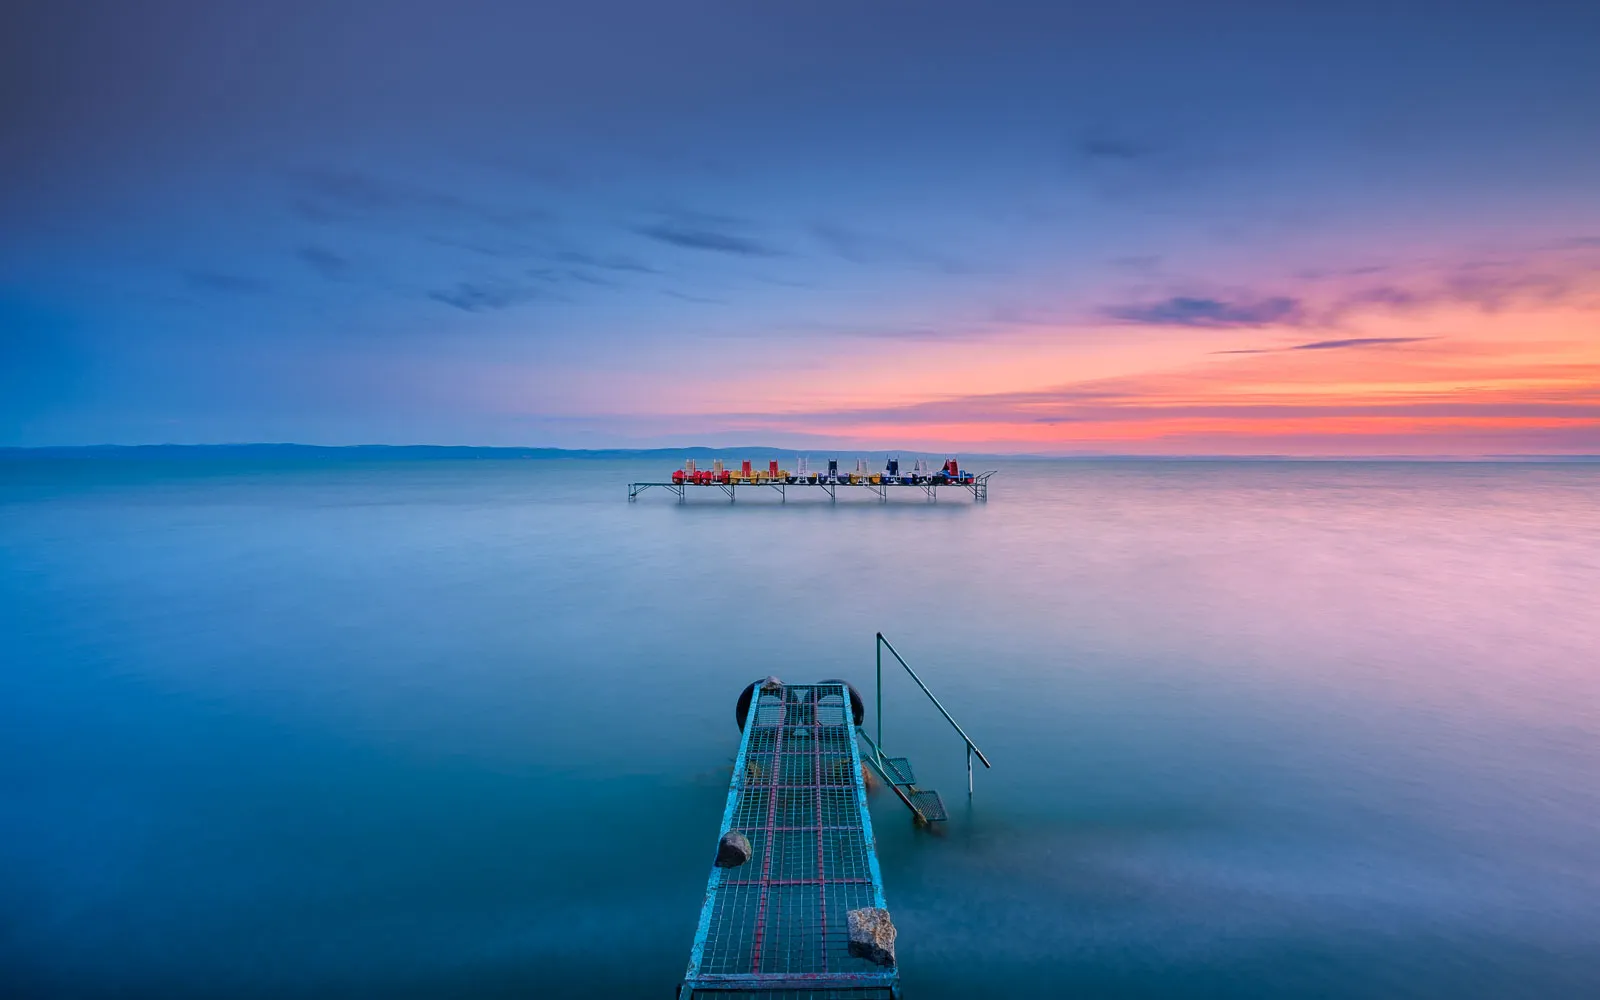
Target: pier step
x,y
928,803
899,770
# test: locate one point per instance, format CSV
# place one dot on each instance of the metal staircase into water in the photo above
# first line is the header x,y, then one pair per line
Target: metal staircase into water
x,y
925,804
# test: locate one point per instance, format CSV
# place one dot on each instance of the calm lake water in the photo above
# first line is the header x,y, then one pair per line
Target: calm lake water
x,y
464,728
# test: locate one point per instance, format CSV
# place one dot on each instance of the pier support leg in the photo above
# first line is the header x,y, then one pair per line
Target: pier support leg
x,y
969,770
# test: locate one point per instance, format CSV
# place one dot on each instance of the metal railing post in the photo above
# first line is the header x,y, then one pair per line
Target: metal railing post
x,y
972,748
936,702
877,748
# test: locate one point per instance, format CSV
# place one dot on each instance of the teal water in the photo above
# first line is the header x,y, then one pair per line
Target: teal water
x,y
332,728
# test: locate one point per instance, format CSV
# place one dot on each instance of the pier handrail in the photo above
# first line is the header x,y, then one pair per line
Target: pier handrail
x,y
972,748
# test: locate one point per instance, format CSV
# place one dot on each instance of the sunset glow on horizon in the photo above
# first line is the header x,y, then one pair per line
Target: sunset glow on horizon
x,y
1519,375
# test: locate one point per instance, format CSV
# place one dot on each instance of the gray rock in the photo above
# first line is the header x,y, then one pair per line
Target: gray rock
x,y
871,935
733,850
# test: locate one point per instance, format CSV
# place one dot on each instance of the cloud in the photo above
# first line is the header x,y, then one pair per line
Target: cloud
x,y
1333,345
1327,299
1121,169
1211,313
608,262
865,248
534,284
325,262
708,233
585,278
347,190
477,297
1103,144
327,195
911,333
1489,286
568,277
1330,345
687,297
1385,295
231,284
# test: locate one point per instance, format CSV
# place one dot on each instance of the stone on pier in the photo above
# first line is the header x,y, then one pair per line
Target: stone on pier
x,y
733,850
871,935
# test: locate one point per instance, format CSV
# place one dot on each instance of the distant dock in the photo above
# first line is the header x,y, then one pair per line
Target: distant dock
x,y
879,484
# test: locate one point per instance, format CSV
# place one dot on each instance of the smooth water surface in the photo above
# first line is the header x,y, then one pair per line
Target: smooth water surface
x,y
336,728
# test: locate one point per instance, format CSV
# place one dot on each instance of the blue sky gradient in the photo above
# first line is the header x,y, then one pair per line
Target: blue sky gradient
x,y
644,223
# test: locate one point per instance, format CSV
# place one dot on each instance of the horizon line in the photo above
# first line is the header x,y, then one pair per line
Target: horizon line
x,y
14,450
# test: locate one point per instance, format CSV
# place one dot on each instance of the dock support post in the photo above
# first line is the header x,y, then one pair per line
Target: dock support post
x,y
969,770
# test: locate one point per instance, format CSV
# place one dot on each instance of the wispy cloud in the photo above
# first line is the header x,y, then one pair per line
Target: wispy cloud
x,y
1211,313
477,297
229,284
587,278
1104,144
606,262
1330,299
1331,345
1122,165
1488,288
673,293
867,248
714,234
332,195
323,261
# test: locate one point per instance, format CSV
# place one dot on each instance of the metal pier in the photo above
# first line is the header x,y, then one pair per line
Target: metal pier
x,y
777,923
978,487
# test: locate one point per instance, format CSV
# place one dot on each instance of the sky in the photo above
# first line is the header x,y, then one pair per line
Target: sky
x,y
1141,228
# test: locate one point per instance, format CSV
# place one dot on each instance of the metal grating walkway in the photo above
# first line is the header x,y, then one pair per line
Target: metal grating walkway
x,y
775,925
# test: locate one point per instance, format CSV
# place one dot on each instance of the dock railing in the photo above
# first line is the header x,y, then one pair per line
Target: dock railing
x,y
877,742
